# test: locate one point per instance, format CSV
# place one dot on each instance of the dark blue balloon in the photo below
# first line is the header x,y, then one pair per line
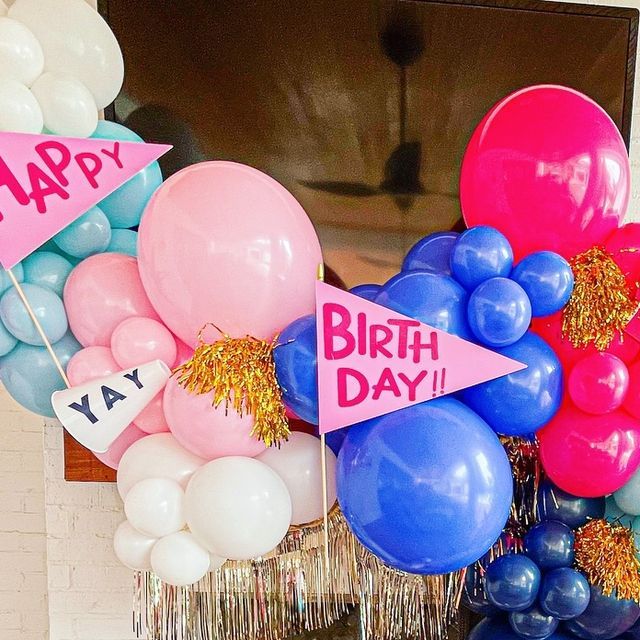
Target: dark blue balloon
x,y
512,582
295,358
564,593
335,439
492,629
521,402
548,280
550,545
480,253
499,312
474,596
605,617
432,253
634,632
556,504
434,299
366,291
427,489
533,623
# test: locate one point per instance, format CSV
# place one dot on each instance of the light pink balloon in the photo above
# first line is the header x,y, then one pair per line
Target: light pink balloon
x,y
151,419
209,433
100,293
224,243
91,363
139,340
111,457
184,351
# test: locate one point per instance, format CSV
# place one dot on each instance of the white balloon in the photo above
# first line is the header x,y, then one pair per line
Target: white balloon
x,y
19,109
75,40
21,56
215,562
155,507
156,456
179,560
133,548
67,105
298,463
237,507
3,8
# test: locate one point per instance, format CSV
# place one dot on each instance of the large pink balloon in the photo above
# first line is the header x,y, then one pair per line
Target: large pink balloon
x,y
224,243
209,433
100,293
547,167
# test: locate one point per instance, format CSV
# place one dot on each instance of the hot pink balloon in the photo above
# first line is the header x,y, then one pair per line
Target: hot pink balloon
x,y
139,340
632,401
224,243
100,293
547,167
151,419
209,433
624,246
111,457
91,363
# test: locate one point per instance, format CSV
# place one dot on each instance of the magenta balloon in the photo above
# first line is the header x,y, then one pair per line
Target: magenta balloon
x,y
547,167
224,243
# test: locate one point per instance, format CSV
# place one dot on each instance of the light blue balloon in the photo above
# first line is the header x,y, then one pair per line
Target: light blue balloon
x,y
7,341
89,234
124,241
5,282
125,206
628,497
30,376
47,307
613,513
47,269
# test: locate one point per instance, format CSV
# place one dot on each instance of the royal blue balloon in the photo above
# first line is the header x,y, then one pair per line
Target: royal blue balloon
x,y
499,312
47,269
479,254
474,596
5,281
521,402
295,358
550,545
492,629
125,206
432,253
605,617
613,513
47,307
548,280
30,376
533,624
427,488
366,291
7,340
123,241
564,593
634,632
335,439
512,582
556,504
434,299
89,234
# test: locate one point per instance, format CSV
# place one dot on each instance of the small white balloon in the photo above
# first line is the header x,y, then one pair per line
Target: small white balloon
x,y
298,463
237,507
155,507
156,456
75,39
67,105
133,548
179,560
19,109
21,56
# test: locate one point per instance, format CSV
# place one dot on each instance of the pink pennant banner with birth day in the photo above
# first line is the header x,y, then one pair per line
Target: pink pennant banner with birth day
x,y
372,361
47,182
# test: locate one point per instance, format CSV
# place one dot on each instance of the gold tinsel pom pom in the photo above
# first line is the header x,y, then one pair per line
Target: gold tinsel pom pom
x,y
241,373
606,553
601,304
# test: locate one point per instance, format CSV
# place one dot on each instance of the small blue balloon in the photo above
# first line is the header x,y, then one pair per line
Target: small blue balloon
x,y
89,234
499,312
434,299
550,545
564,593
533,624
479,254
556,504
5,281
628,497
47,307
335,439
521,402
548,280
613,513
432,253
366,291
109,130
512,582
295,359
427,489
492,629
474,596
47,269
123,241
7,340
30,376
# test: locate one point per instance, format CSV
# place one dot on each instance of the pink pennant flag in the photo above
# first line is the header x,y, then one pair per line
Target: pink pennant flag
x,y
373,361
46,182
